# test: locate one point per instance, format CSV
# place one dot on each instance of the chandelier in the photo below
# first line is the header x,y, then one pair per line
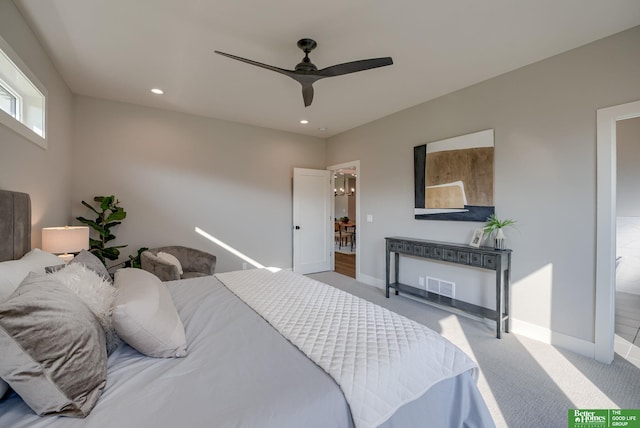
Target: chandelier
x,y
342,185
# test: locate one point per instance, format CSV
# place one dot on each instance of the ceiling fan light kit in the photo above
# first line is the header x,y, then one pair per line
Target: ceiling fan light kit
x,y
306,73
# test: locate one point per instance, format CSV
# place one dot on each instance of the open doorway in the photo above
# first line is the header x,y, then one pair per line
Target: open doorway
x,y
345,179
607,119
627,298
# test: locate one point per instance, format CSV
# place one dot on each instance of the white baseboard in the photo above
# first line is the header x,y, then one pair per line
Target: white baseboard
x,y
370,280
545,335
523,328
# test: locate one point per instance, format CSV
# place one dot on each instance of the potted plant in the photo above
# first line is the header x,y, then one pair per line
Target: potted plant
x,y
109,214
344,219
494,227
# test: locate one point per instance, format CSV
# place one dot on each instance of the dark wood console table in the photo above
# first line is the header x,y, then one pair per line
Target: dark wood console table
x,y
482,257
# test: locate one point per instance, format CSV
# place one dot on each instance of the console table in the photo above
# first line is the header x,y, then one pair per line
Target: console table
x,y
482,257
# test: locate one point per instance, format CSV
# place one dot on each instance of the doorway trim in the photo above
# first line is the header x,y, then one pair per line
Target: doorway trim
x,y
606,226
343,165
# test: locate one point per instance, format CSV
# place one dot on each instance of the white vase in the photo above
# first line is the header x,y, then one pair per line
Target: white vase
x,y
499,240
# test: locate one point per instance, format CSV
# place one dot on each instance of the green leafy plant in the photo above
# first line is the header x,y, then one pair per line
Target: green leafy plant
x,y
493,223
134,261
344,219
109,214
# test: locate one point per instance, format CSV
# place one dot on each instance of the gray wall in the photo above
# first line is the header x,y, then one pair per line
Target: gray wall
x,y
544,117
24,166
628,179
173,172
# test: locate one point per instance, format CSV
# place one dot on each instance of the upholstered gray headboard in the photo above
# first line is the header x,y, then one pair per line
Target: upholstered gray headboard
x,y
15,225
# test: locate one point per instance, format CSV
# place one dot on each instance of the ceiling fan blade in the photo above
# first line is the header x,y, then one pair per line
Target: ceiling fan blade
x,y
306,72
307,94
289,73
354,66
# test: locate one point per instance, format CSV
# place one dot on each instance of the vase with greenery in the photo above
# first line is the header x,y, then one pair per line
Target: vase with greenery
x,y
109,214
344,219
493,229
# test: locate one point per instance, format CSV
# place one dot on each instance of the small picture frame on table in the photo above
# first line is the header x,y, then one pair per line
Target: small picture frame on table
x,y
476,238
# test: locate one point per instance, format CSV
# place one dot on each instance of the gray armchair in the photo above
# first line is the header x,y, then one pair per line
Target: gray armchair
x,y
194,263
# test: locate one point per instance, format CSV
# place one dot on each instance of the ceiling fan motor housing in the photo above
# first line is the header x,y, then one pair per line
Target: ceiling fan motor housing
x,y
307,45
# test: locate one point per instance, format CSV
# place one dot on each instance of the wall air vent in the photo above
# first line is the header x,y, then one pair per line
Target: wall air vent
x,y
442,287
448,289
433,285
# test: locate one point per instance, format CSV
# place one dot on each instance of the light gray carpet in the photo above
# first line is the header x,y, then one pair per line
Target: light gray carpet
x,y
525,383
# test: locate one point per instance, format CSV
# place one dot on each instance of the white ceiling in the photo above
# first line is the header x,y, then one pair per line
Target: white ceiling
x,y
120,49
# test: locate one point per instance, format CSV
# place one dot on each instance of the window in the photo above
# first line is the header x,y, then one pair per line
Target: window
x,y
22,99
8,100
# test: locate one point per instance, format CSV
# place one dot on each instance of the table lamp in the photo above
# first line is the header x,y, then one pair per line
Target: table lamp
x,y
65,240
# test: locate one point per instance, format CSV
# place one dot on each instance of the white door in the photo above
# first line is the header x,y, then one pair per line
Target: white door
x,y
312,220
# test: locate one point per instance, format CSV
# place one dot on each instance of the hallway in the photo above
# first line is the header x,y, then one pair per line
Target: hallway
x,y
345,263
344,249
627,322
627,339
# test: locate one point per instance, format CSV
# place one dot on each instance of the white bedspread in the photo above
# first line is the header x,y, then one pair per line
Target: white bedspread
x,y
380,360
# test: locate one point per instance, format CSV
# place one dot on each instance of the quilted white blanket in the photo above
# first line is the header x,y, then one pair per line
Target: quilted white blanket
x,y
380,360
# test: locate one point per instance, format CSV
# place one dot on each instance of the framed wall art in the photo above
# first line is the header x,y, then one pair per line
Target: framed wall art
x,y
454,178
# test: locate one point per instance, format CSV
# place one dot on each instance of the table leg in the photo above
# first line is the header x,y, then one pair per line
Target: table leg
x,y
397,269
499,300
507,296
388,261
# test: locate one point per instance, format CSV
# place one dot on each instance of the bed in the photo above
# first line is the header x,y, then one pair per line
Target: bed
x,y
263,361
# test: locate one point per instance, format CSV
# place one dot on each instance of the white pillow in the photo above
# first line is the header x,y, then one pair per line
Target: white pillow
x,y
145,317
38,260
11,275
171,259
12,272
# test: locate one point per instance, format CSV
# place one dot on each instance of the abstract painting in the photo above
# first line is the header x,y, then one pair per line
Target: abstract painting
x,y
454,178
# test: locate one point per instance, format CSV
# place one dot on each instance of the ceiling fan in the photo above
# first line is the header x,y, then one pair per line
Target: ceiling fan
x,y
306,73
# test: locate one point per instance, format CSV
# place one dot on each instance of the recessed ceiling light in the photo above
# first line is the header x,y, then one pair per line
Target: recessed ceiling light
x,y
304,121
157,91
323,129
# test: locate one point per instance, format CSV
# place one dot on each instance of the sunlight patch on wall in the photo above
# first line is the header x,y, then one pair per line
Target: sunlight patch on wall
x,y
229,248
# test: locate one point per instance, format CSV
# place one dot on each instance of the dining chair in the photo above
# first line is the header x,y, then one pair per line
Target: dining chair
x,y
346,235
351,230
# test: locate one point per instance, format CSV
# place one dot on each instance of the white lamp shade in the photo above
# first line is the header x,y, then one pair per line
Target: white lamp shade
x,y
67,239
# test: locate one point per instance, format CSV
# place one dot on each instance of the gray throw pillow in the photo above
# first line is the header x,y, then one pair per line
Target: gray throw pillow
x,y
52,348
92,262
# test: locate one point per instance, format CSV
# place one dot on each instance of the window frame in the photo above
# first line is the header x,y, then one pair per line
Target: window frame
x,y
18,99
17,124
